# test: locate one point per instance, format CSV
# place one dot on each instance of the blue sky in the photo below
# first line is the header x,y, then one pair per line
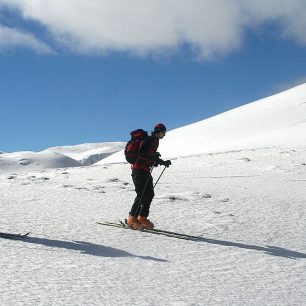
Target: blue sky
x,y
62,83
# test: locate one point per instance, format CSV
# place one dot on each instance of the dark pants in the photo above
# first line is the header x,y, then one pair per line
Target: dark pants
x,y
143,182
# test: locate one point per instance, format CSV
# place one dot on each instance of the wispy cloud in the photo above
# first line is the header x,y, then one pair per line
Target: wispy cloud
x,y
209,27
12,38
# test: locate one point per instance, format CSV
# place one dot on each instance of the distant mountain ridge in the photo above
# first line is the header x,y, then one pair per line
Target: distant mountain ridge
x,y
58,157
88,153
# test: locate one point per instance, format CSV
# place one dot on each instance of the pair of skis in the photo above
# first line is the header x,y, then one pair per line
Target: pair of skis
x,y
122,224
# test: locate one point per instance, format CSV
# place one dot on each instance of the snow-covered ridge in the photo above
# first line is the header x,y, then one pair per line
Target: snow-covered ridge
x,y
88,153
279,120
58,157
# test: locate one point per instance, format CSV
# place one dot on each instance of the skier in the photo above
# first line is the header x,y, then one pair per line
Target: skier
x,y
147,158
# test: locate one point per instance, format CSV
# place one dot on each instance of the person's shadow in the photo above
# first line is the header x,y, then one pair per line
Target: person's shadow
x,y
103,251
86,248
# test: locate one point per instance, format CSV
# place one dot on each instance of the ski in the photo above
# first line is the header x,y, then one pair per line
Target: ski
x,y
167,232
13,235
121,224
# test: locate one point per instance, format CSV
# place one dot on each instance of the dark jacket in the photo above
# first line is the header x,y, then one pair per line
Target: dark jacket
x,y
147,156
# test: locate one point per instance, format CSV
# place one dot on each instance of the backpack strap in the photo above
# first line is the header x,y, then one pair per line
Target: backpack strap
x,y
145,145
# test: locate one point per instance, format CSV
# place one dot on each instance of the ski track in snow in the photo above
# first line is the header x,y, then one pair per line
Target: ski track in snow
x,y
247,207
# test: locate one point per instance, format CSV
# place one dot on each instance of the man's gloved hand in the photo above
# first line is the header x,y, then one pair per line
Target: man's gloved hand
x,y
156,156
165,163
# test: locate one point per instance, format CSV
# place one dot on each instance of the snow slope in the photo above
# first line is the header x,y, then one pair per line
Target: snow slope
x,y
279,120
58,157
247,207
27,161
88,153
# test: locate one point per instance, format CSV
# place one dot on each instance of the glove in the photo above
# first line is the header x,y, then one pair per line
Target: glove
x,y
156,156
165,163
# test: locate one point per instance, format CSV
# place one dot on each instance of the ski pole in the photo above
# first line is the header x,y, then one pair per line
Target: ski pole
x,y
160,177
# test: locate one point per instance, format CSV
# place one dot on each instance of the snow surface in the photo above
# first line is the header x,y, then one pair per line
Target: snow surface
x,y
245,202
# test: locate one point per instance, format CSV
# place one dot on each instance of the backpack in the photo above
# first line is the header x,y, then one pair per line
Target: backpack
x,y
132,147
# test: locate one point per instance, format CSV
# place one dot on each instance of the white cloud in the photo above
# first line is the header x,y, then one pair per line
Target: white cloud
x,y
210,27
289,15
11,38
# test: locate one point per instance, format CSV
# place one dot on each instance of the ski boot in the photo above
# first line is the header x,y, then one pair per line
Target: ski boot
x,y
133,223
145,222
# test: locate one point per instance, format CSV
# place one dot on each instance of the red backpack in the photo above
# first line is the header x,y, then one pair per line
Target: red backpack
x,y
131,150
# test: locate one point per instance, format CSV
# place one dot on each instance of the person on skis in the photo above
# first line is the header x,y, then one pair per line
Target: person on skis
x,y
147,158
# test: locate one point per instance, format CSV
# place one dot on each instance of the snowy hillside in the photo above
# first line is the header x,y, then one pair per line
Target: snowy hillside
x,y
279,120
29,161
58,157
89,153
243,198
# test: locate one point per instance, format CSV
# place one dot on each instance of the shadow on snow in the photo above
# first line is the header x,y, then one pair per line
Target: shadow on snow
x,y
103,251
86,248
271,250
